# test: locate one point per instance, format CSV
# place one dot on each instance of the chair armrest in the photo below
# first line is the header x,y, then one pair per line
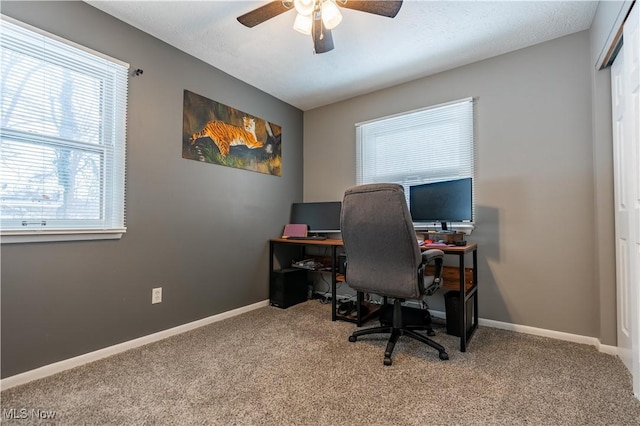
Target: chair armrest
x,y
431,255
433,283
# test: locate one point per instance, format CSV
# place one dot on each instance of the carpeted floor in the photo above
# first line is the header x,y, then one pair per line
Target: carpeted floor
x,y
296,367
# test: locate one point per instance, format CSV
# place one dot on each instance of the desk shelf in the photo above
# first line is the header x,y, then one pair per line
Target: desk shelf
x,y
373,308
451,277
327,263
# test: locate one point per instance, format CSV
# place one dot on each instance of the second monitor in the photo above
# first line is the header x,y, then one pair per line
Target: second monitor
x,y
448,201
320,217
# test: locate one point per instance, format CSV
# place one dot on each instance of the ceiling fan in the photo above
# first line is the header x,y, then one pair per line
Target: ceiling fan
x,y
318,17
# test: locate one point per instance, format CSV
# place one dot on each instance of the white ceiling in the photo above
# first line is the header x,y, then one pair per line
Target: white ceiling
x,y
371,52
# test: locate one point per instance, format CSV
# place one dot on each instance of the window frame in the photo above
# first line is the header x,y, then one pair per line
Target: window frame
x,y
111,150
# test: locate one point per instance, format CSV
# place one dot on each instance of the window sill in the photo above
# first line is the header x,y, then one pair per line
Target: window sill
x,y
15,237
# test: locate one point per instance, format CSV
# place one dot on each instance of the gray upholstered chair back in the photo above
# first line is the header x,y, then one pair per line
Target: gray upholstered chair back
x,y
383,256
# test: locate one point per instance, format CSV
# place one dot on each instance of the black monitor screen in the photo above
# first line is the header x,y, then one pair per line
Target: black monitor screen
x,y
320,217
448,201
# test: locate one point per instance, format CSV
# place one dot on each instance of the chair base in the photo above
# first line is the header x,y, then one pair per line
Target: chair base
x,y
398,329
412,319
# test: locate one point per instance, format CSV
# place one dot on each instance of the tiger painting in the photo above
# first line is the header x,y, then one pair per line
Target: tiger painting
x,y
226,135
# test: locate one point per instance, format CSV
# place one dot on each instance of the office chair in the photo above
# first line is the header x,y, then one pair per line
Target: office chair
x,y
383,258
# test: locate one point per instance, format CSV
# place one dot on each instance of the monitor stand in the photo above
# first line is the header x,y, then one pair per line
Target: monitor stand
x,y
444,227
316,236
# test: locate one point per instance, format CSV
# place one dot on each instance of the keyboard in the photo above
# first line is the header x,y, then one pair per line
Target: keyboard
x,y
310,237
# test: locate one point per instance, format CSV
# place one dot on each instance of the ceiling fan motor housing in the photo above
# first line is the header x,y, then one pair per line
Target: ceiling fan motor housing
x,y
320,28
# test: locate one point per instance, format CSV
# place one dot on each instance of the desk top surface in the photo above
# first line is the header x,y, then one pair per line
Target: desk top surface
x,y
327,242
337,242
453,249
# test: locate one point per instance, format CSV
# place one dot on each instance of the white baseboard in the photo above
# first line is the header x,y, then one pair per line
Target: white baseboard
x,y
575,338
77,361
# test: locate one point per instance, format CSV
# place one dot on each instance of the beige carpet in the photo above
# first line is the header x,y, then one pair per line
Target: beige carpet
x,y
296,367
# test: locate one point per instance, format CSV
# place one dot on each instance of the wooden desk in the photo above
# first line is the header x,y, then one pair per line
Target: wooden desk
x,y
468,288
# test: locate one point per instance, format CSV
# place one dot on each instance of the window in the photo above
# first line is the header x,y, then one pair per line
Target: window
x,y
62,138
428,145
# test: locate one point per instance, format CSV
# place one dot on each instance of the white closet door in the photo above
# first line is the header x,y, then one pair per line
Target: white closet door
x,y
631,36
621,199
625,87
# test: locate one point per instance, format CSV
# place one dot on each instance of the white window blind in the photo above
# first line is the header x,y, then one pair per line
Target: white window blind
x,y
428,145
62,135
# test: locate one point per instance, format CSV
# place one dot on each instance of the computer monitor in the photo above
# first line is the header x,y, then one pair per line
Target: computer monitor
x,y
448,201
321,217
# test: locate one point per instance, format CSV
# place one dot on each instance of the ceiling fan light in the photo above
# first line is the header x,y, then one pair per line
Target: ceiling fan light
x,y
331,15
304,7
302,24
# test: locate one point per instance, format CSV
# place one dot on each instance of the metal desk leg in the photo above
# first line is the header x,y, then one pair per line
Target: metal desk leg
x,y
334,263
270,258
271,244
463,306
475,289
359,300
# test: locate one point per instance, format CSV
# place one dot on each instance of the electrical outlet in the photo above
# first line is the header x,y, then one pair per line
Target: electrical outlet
x,y
156,295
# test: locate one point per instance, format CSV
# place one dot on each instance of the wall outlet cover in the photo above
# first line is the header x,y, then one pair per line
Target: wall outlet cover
x,y
156,295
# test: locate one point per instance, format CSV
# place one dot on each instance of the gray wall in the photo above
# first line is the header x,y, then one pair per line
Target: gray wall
x,y
535,181
198,230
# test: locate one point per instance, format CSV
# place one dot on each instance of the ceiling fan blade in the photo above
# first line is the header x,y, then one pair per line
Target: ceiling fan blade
x,y
263,13
379,7
322,38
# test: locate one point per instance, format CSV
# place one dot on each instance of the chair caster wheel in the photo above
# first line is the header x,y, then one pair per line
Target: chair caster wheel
x,y
352,338
444,356
387,361
431,333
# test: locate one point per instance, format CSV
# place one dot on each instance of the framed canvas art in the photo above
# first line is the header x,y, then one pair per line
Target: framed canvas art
x,y
216,133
